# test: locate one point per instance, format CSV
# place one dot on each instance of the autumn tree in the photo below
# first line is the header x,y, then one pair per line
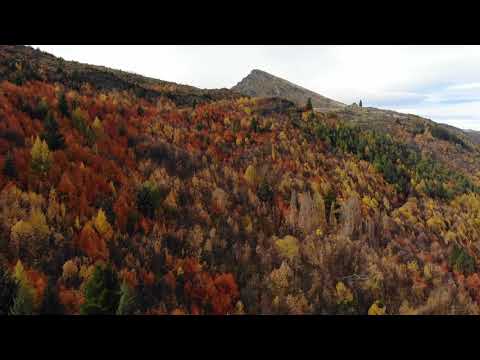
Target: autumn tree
x,y
121,209
91,243
70,272
377,308
280,279
97,126
102,225
288,247
250,175
41,157
66,187
56,210
30,236
102,292
344,298
227,294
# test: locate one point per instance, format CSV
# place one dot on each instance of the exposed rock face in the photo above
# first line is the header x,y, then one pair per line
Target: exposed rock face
x,y
261,84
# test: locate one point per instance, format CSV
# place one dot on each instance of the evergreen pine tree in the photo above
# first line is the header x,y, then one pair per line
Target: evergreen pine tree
x,y
254,125
128,300
51,305
146,298
360,103
102,292
63,105
23,302
52,135
41,110
309,104
9,168
148,199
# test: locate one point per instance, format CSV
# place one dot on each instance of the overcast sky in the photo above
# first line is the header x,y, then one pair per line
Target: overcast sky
x,y
438,82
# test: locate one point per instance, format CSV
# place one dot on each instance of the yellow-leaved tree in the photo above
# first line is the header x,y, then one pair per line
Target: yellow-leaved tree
x,y
102,225
97,126
251,175
288,247
41,157
30,236
344,294
39,224
377,308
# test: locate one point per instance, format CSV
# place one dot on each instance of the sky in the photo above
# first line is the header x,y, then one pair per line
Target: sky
x,y
441,83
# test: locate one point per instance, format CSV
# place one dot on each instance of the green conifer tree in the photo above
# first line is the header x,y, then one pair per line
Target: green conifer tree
x,y
51,305
102,292
127,302
41,110
63,105
9,168
52,135
309,104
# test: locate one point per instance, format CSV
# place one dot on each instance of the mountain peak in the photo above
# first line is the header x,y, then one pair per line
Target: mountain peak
x,y
260,83
259,72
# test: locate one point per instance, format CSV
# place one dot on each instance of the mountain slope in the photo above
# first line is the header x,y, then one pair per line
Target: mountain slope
x,y
262,84
22,63
456,148
240,205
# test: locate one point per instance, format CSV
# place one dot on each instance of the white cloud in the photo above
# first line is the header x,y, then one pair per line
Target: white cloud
x,y
462,115
414,77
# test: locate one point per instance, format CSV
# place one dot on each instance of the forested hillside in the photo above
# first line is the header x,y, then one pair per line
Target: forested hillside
x,y
116,202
